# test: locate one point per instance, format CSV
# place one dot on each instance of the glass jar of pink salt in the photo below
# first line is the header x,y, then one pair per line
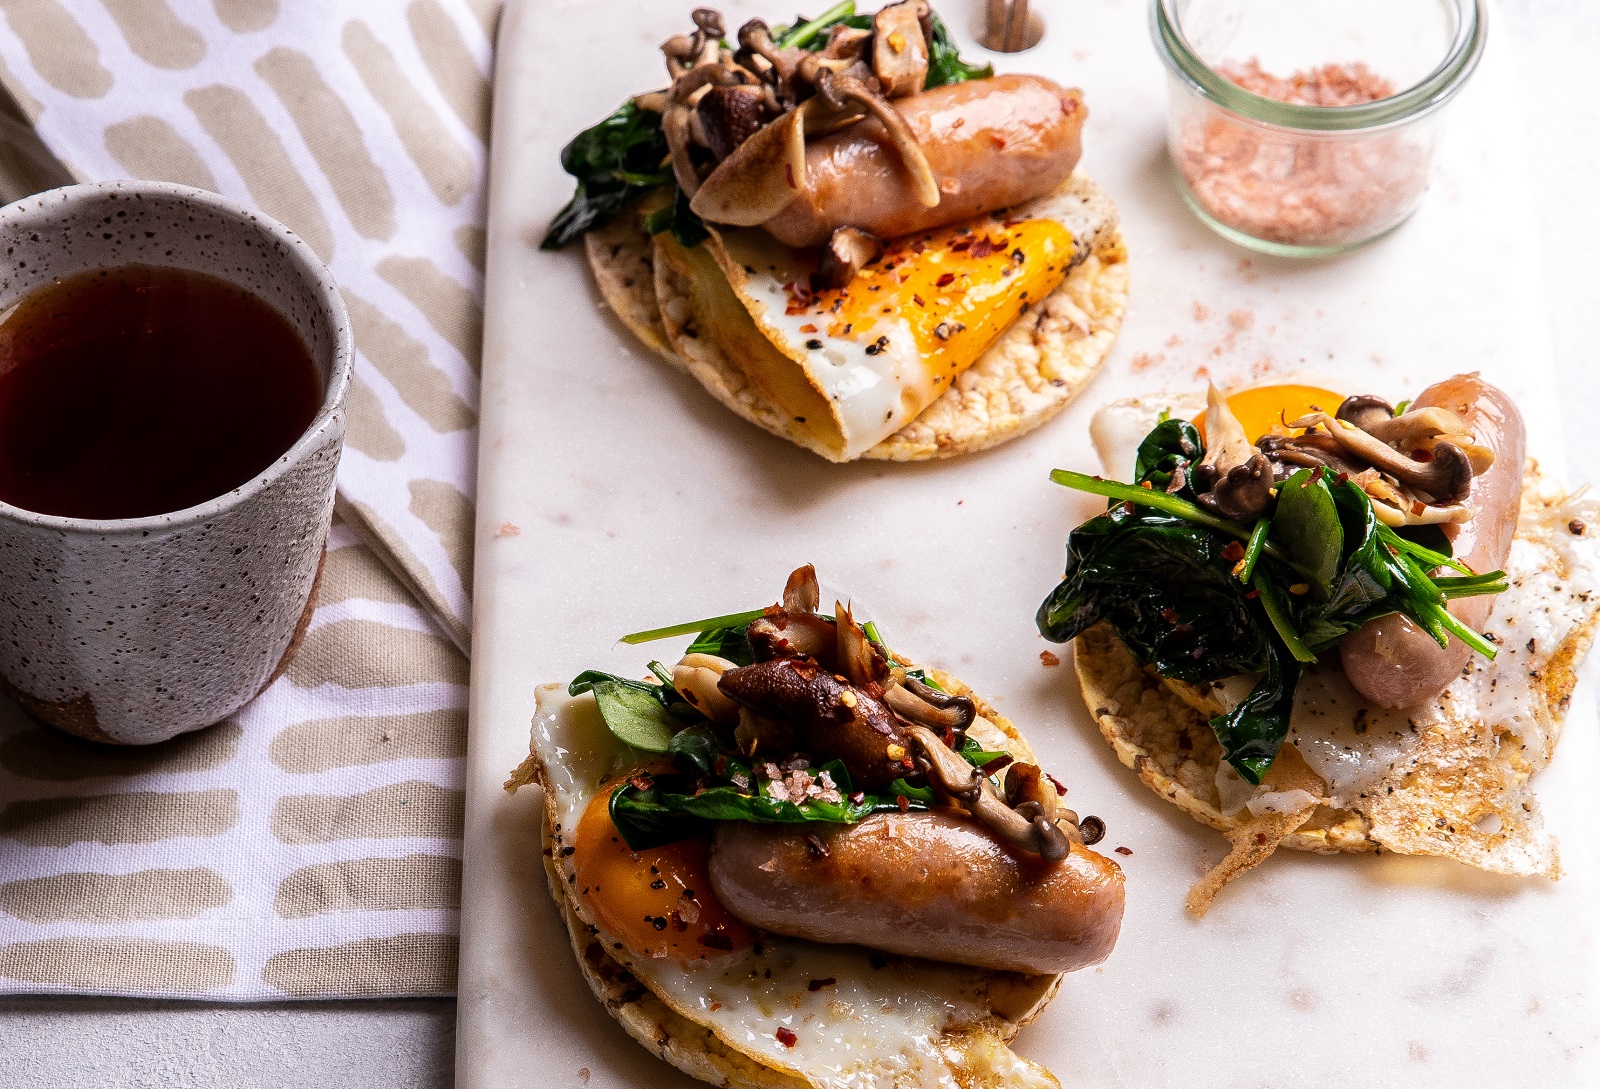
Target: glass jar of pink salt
x,y
1308,127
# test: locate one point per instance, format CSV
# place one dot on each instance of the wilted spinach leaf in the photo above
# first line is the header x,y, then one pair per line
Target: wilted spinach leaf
x,y
614,162
640,714
1161,572
695,751
1362,589
1253,732
1174,444
976,755
676,806
687,228
730,643
1166,587
1169,591
1306,524
636,718
944,61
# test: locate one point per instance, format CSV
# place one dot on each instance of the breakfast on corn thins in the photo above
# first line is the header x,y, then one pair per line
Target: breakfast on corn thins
x,y
796,858
1356,631
851,237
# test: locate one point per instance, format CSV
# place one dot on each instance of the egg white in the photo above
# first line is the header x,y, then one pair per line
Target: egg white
x,y
898,1025
874,395
1356,747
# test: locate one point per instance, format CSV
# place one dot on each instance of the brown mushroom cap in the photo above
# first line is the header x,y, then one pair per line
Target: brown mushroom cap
x,y
899,49
1233,479
1423,428
1243,492
783,634
1437,478
1451,473
939,711
846,42
861,663
1034,833
801,594
729,116
1226,443
849,251
1289,453
1364,410
1025,784
759,179
832,719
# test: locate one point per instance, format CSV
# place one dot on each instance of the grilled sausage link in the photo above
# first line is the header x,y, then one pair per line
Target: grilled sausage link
x,y
1390,660
925,884
991,143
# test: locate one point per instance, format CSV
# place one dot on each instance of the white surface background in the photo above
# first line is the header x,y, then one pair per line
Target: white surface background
x,y
87,1042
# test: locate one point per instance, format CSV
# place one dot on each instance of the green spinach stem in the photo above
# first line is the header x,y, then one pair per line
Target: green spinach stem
x,y
1427,593
1472,585
1419,552
1253,550
1443,617
803,33
693,627
1279,615
1169,504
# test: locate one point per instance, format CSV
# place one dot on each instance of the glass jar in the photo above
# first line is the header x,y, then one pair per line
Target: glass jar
x,y
1308,127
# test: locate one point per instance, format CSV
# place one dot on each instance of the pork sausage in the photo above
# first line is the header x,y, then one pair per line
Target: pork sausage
x,y
925,884
1390,660
991,143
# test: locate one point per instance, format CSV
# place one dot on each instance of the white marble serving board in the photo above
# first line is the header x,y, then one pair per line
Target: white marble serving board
x,y
615,495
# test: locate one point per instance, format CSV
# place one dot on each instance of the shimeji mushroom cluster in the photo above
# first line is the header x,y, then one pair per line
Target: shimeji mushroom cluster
x,y
1416,465
736,120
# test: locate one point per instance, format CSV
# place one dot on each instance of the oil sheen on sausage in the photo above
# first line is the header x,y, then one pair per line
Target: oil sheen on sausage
x,y
991,143
924,884
1390,660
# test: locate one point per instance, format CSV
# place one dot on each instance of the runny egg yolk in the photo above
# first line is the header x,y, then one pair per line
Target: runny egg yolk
x,y
956,289
1262,410
657,902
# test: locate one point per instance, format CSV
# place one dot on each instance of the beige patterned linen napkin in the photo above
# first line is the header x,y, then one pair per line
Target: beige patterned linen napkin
x,y
310,846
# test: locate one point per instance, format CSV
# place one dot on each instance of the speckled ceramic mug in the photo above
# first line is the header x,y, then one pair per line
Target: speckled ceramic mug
x,y
134,630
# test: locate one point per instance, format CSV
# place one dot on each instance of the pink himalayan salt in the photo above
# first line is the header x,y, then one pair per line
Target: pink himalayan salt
x,y
1297,188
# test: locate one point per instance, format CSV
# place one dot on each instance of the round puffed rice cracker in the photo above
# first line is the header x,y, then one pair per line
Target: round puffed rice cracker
x,y
1033,371
694,1048
1434,801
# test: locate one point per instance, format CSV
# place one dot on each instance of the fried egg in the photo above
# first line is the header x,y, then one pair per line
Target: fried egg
x,y
1118,428
1449,778
853,365
838,1017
